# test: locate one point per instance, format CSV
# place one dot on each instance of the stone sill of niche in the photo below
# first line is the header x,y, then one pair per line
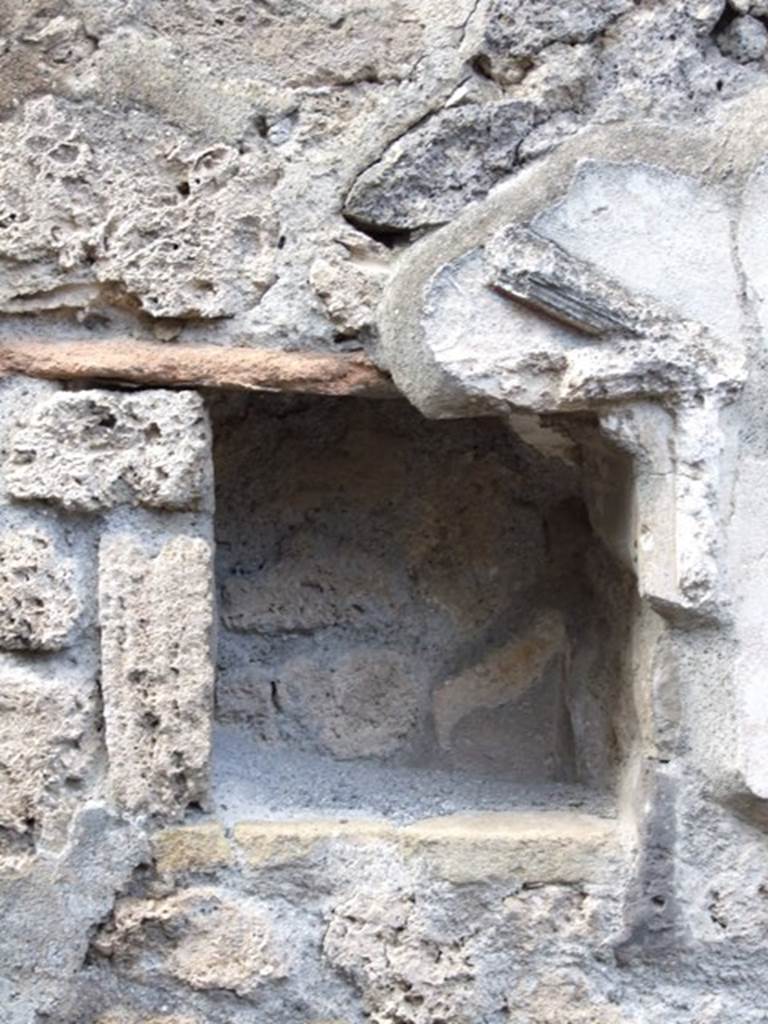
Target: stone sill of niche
x,y
527,846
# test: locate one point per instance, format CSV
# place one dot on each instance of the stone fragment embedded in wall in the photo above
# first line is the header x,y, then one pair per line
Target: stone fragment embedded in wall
x,y
39,599
544,916
558,82
156,610
563,997
473,701
517,30
745,39
348,277
199,936
535,271
428,175
403,970
47,747
89,451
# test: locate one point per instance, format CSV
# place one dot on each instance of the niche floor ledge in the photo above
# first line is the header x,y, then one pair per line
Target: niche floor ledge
x,y
527,847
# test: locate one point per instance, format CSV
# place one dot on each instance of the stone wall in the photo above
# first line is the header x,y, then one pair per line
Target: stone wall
x,y
431,690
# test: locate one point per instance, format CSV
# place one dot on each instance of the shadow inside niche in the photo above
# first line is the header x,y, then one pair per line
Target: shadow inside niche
x,y
416,617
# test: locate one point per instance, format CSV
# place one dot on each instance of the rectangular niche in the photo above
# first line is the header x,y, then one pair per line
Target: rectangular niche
x,y
416,617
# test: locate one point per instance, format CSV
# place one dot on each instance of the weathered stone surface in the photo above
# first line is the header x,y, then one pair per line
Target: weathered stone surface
x,y
759,8
333,44
200,937
564,999
612,219
404,972
348,277
39,600
156,609
364,705
91,450
503,677
520,29
745,39
162,224
749,557
533,848
173,181
47,748
52,902
751,241
267,844
202,847
124,1016
432,172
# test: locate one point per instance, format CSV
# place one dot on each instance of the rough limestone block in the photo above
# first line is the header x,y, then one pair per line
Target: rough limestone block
x,y
39,602
18,394
46,731
92,450
347,277
198,936
209,210
156,610
202,847
547,846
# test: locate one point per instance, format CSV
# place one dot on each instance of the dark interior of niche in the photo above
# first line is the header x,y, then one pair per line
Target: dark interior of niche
x,y
416,617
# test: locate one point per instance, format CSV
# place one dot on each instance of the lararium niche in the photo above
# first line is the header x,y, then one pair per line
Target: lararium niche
x,y
416,617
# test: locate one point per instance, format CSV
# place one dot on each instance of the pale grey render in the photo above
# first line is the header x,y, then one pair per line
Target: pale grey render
x,y
446,706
